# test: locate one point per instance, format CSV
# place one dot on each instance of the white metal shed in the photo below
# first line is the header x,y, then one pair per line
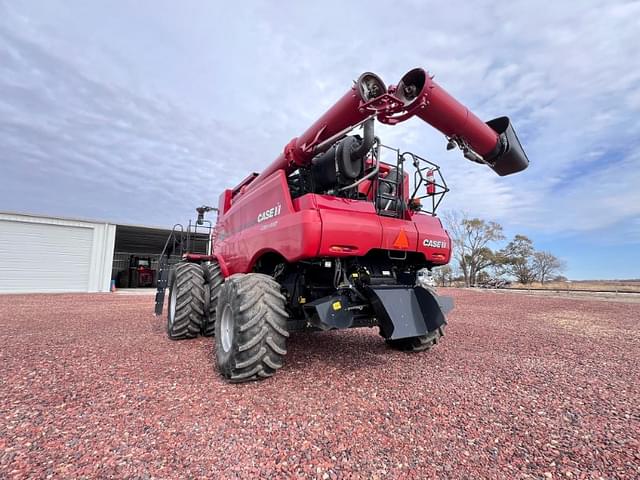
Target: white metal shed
x,y
48,254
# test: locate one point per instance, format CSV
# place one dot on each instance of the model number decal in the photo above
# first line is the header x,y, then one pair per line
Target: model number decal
x,y
434,243
267,214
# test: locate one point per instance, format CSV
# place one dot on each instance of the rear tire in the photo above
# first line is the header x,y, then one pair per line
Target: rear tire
x,y
418,344
251,327
214,281
186,301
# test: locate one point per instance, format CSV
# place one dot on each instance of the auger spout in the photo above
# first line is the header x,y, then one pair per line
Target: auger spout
x,y
493,143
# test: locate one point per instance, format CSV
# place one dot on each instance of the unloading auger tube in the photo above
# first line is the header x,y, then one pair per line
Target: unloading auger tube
x,y
493,143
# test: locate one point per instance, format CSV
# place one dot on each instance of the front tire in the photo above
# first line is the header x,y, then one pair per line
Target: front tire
x,y
186,301
251,327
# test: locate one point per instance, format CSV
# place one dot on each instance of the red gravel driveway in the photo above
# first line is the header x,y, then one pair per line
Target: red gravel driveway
x,y
521,387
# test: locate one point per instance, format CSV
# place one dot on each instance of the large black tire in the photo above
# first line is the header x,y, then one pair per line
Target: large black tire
x,y
251,327
214,280
418,344
186,301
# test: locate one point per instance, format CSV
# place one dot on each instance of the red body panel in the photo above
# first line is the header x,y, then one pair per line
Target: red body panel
x,y
347,223
431,231
265,212
266,220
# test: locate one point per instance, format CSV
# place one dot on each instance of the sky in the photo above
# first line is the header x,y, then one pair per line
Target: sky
x,y
138,112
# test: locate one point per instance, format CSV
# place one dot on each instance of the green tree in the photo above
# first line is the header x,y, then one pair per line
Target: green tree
x,y
471,239
517,258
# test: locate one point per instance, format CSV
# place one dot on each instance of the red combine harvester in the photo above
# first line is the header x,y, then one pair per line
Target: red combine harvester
x,y
330,236
138,275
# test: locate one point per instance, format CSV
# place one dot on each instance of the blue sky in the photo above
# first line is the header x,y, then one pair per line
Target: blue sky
x,y
139,111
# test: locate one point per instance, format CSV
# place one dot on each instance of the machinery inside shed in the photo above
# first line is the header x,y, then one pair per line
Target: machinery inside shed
x,y
136,253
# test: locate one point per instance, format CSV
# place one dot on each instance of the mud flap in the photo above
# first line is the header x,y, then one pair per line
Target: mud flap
x,y
405,312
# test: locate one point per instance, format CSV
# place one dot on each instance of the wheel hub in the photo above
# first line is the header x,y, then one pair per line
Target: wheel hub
x,y
173,300
226,328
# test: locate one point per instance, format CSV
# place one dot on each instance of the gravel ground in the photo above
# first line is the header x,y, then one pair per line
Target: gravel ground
x,y
521,387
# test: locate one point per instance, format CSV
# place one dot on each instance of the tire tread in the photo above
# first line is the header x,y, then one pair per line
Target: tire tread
x,y
259,342
190,301
214,280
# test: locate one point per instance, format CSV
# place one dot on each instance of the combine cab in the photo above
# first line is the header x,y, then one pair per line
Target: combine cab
x,y
333,234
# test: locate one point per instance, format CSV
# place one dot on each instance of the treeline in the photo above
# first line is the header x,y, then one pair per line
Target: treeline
x,y
477,259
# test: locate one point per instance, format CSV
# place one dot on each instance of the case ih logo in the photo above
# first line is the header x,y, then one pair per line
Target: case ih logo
x,y
434,243
267,214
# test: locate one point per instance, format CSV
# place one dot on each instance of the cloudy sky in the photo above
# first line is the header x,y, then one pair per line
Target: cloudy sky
x,y
139,111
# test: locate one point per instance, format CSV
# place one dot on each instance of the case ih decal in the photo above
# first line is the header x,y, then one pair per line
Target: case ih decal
x,y
270,213
434,243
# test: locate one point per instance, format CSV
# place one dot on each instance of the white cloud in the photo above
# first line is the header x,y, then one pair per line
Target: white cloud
x,y
566,73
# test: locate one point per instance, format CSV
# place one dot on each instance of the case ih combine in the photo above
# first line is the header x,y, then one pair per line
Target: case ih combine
x,y
332,234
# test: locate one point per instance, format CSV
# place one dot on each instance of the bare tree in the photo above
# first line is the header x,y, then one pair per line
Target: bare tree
x,y
471,239
546,265
443,275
